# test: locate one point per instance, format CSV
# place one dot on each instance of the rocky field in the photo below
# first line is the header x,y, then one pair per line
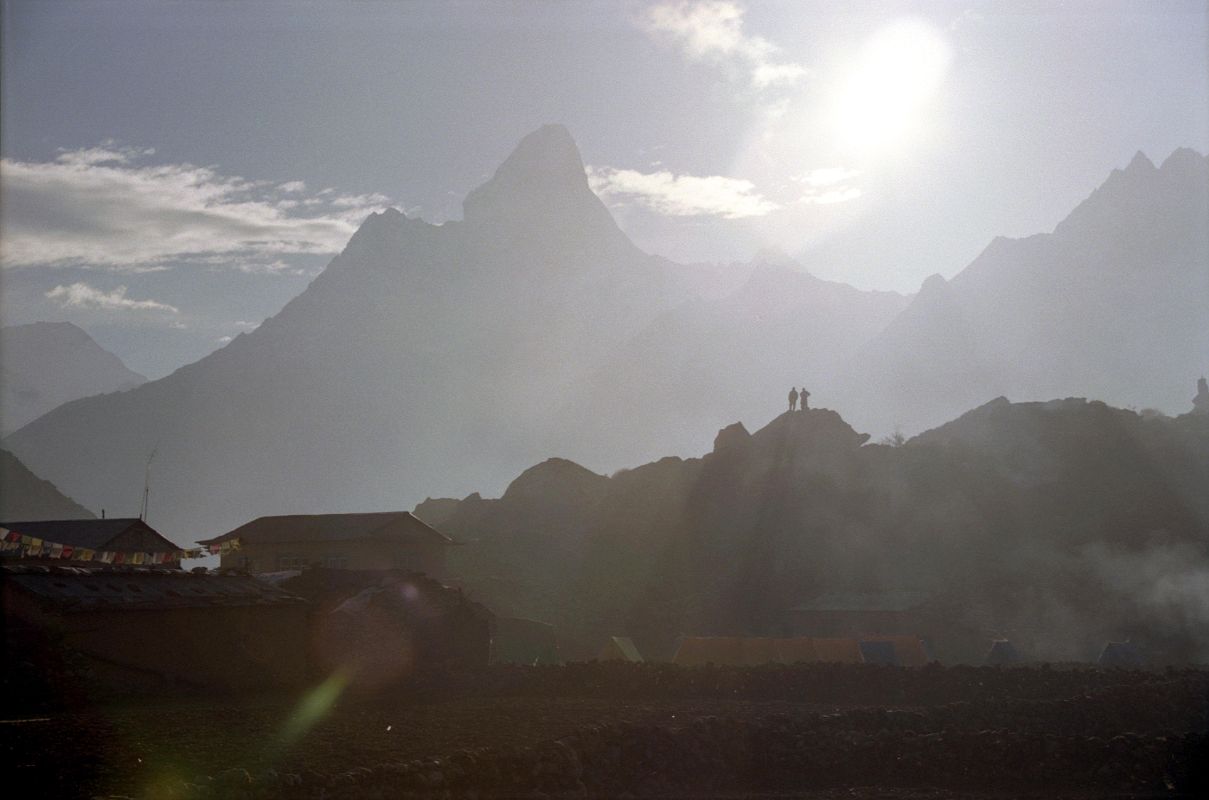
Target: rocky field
x,y
607,730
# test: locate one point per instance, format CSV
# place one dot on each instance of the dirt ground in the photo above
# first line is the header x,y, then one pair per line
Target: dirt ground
x,y
632,730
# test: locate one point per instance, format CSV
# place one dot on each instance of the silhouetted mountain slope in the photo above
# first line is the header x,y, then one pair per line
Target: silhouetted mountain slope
x,y
1111,304
1042,519
26,497
46,364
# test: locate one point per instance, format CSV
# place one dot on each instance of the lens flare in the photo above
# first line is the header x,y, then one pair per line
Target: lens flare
x,y
314,706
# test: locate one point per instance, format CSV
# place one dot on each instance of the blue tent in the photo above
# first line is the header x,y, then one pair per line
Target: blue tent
x,y
879,652
1122,654
1002,652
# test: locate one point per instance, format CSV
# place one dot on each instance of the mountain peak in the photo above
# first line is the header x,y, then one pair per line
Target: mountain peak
x,y
1140,163
934,283
1184,158
541,184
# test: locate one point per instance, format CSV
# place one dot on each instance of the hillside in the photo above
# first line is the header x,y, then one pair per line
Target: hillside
x,y
26,497
1047,521
46,364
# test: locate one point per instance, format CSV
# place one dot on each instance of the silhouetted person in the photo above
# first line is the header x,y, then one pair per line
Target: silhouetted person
x,y
793,398
805,399
1200,403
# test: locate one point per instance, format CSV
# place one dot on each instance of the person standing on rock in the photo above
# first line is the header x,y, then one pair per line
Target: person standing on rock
x,y
805,399
793,397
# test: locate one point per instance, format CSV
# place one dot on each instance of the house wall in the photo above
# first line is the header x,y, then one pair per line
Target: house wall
x,y
420,556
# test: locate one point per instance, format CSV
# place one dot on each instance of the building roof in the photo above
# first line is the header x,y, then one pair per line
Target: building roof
x,y
80,589
899,600
94,534
383,525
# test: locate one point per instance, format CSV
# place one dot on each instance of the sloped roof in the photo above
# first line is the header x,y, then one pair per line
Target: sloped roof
x,y
897,600
93,534
382,525
80,589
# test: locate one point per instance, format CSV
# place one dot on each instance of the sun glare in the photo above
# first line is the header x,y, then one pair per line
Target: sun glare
x,y
883,101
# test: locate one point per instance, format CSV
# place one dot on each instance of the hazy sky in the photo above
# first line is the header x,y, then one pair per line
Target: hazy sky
x,y
174,172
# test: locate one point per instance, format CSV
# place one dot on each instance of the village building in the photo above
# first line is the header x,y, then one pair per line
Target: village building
x,y
368,541
89,542
132,630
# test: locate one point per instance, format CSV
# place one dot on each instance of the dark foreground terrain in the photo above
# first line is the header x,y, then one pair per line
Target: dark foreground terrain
x,y
607,730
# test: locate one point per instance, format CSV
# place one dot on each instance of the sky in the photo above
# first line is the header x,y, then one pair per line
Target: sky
x,y
174,173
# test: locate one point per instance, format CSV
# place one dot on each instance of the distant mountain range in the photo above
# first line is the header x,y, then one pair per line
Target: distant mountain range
x,y
25,497
46,364
439,359
1113,304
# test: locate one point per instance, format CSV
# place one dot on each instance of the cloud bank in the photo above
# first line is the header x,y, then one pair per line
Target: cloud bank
x,y
104,207
681,195
81,295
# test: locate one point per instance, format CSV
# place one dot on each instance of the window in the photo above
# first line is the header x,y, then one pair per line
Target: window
x,y
337,562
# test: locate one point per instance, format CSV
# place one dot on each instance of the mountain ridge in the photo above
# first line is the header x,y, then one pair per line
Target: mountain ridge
x,y
432,359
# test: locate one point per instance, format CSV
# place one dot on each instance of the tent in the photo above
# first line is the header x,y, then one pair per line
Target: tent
x,y
758,651
620,648
909,651
878,651
838,651
798,650
1122,654
1002,652
698,650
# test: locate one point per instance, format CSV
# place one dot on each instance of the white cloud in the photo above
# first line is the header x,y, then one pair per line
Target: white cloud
x,y
102,207
81,295
682,195
713,29
360,200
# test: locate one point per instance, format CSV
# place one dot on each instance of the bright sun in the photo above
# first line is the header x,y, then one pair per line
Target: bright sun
x,y
884,101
